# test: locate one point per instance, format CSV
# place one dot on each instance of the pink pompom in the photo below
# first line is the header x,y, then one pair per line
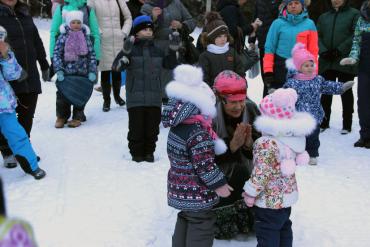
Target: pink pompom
x,y
302,159
287,167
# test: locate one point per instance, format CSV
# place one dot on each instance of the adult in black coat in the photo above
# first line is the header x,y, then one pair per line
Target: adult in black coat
x,y
26,43
134,6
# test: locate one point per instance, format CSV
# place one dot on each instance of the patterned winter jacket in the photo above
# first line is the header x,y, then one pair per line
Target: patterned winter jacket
x,y
309,94
10,70
362,26
271,189
83,66
193,175
285,32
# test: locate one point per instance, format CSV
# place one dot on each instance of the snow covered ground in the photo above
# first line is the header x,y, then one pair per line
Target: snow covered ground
x,y
94,195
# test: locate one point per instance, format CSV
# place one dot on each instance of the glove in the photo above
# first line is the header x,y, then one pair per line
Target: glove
x,y
347,85
60,76
268,79
45,74
120,62
249,200
175,41
348,61
92,76
128,44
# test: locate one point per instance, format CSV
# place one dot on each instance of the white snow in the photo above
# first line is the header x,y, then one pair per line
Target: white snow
x,y
94,195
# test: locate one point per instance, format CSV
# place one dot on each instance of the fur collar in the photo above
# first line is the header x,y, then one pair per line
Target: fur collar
x,y
64,28
301,125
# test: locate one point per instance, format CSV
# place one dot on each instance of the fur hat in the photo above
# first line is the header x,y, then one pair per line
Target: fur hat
x,y
73,15
141,22
230,85
299,55
214,27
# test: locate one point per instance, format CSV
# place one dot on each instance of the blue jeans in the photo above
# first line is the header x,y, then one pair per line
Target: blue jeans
x,y
17,138
273,227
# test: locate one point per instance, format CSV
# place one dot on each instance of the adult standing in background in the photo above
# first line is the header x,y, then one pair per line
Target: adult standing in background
x,y
111,14
135,6
168,16
28,48
335,30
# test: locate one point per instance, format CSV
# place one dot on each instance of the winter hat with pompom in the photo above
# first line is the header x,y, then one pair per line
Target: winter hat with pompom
x,y
230,86
214,27
280,104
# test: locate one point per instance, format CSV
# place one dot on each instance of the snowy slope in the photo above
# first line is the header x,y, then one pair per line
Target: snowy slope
x,y
94,195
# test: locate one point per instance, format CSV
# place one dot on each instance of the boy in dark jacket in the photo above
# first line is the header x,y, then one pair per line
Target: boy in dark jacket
x,y
144,62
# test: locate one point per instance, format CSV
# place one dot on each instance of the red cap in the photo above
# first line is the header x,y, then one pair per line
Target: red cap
x,y
230,85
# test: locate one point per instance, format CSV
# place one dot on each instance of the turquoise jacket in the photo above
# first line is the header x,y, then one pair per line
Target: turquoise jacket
x,y
285,32
58,20
9,71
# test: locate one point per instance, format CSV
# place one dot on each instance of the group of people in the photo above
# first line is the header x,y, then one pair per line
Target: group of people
x,y
220,143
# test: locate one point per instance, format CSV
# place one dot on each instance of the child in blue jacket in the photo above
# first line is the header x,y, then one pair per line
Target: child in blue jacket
x,y
302,77
14,133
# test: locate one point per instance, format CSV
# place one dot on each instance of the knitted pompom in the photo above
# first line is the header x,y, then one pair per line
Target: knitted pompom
x,y
298,47
287,167
212,16
302,158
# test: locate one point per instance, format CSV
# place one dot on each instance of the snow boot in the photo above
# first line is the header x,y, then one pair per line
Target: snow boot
x,y
106,106
25,165
362,143
313,161
74,123
149,158
138,159
120,101
10,161
59,123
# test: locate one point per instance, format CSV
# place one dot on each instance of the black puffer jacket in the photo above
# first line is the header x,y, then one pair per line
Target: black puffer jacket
x,y
26,43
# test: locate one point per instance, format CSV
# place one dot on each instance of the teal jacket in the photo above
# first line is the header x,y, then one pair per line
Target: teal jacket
x,y
335,30
92,23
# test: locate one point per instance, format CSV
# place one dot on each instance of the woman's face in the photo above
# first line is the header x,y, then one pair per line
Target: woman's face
x,y
10,3
294,7
234,109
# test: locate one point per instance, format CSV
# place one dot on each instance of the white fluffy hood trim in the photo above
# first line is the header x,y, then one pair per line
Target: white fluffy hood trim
x,y
302,124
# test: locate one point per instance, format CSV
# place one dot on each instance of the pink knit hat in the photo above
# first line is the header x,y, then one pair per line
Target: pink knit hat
x,y
280,104
301,55
230,85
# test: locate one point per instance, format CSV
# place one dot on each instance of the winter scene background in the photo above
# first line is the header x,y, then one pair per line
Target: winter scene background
x,y
94,195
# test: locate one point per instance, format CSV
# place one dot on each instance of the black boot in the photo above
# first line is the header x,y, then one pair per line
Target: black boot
x,y
25,165
120,101
149,158
106,106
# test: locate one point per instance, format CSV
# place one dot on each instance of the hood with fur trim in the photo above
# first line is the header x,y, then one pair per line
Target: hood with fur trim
x,y
302,124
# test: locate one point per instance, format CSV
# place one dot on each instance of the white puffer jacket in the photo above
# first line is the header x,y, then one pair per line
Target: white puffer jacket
x,y
112,35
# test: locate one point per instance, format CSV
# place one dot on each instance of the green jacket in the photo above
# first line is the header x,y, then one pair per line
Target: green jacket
x,y
58,20
335,30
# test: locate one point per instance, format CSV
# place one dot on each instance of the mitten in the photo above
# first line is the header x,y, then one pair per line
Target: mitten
x,y
348,61
268,79
92,76
60,76
128,44
249,200
347,85
45,74
175,41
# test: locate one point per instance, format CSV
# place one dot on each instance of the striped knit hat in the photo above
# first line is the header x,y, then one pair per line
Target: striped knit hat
x,y
214,27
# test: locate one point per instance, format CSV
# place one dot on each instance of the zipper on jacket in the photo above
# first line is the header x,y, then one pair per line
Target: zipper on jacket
x,y
332,33
25,46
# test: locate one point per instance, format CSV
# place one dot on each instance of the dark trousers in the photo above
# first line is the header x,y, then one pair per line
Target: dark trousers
x,y
273,227
106,86
194,229
347,99
143,129
63,109
313,142
363,103
25,113
280,72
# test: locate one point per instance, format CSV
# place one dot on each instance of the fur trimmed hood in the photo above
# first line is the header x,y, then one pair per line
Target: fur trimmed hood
x,y
64,28
188,86
302,124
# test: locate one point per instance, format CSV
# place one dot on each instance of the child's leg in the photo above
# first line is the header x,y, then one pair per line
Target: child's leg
x,y
364,104
136,130
313,142
272,227
18,139
195,228
151,130
63,108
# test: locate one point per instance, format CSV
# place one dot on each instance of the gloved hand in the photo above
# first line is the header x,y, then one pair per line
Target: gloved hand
x,y
45,74
268,79
347,85
60,76
120,62
175,41
348,61
249,200
128,44
92,76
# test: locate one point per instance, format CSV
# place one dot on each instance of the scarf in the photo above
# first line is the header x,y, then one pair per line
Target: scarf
x,y
75,46
301,76
218,49
205,122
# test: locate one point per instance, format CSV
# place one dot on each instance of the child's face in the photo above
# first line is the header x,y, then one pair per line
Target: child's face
x,y
308,68
221,40
145,33
76,25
